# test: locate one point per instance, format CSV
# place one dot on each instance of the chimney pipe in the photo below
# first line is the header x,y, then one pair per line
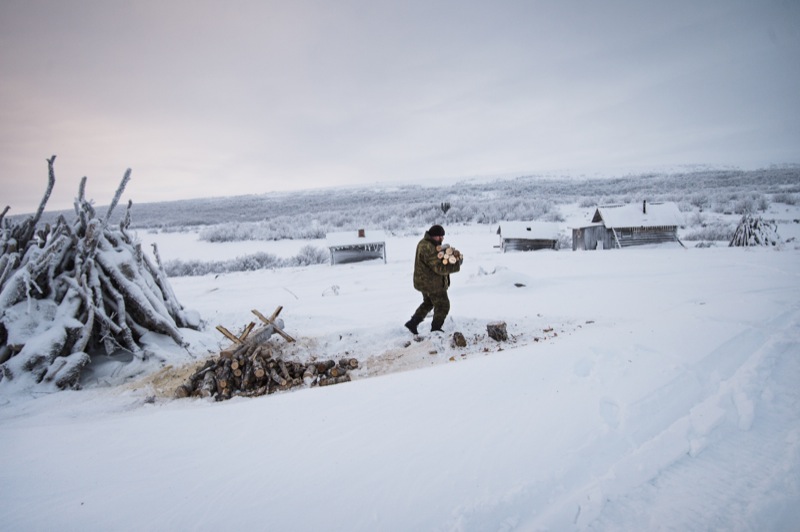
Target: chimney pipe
x,y
360,233
644,206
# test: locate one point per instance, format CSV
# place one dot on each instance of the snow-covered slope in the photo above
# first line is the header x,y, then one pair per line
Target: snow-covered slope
x,y
642,389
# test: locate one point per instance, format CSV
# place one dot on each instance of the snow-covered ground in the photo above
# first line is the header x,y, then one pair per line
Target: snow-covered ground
x,y
643,389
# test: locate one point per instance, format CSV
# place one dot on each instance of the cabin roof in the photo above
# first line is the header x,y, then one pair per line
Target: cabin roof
x,y
351,238
529,230
634,215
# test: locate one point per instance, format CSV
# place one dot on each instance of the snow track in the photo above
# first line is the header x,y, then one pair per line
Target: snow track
x,y
745,390
664,461
686,493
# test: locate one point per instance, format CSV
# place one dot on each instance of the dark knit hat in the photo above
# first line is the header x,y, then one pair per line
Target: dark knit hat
x,y
436,230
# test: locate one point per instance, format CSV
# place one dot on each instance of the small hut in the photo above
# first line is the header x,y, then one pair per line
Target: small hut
x,y
528,236
355,246
619,226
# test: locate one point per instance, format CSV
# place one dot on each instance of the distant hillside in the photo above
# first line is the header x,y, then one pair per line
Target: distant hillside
x,y
525,197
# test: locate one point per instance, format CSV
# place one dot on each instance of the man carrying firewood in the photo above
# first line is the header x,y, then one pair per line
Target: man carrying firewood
x,y
433,264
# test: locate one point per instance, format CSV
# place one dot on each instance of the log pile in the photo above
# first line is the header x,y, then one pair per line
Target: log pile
x,y
755,231
252,366
448,254
259,373
72,289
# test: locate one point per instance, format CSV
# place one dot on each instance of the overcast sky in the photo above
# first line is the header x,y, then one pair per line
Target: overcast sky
x,y
210,98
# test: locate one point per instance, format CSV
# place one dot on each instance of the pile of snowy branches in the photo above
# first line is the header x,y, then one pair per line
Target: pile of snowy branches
x,y
755,231
74,288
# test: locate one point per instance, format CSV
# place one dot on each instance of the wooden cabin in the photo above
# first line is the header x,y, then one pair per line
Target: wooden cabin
x,y
528,236
356,246
620,226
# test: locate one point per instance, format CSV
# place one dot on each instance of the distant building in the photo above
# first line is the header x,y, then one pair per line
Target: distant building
x,y
528,236
355,246
620,226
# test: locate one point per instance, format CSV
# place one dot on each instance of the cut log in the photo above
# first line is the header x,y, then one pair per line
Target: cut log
x,y
277,379
334,380
325,365
224,378
246,332
337,371
232,337
459,340
184,390
271,322
348,363
284,370
249,378
209,385
208,366
310,375
497,331
259,368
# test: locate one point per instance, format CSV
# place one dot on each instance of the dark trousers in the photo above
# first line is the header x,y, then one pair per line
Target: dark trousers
x,y
436,301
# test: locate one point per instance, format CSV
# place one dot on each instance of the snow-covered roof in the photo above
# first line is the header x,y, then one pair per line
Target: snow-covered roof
x,y
353,238
639,215
529,230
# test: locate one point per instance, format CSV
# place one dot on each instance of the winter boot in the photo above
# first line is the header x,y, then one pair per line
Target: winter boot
x,y
411,325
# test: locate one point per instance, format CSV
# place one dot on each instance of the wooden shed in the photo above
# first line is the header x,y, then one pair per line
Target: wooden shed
x,y
528,236
355,246
620,226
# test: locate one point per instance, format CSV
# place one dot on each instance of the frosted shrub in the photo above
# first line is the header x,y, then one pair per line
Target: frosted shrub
x,y
714,231
785,198
700,201
311,255
218,233
307,256
722,207
553,216
744,205
257,261
191,268
276,229
696,218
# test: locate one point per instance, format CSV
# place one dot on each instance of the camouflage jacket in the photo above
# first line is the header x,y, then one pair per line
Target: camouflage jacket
x,y
430,274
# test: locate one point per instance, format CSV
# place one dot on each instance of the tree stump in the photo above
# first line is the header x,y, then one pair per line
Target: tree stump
x,y
497,331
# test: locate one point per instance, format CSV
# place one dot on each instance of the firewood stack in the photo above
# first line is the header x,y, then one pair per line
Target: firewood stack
x,y
261,372
251,367
449,254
